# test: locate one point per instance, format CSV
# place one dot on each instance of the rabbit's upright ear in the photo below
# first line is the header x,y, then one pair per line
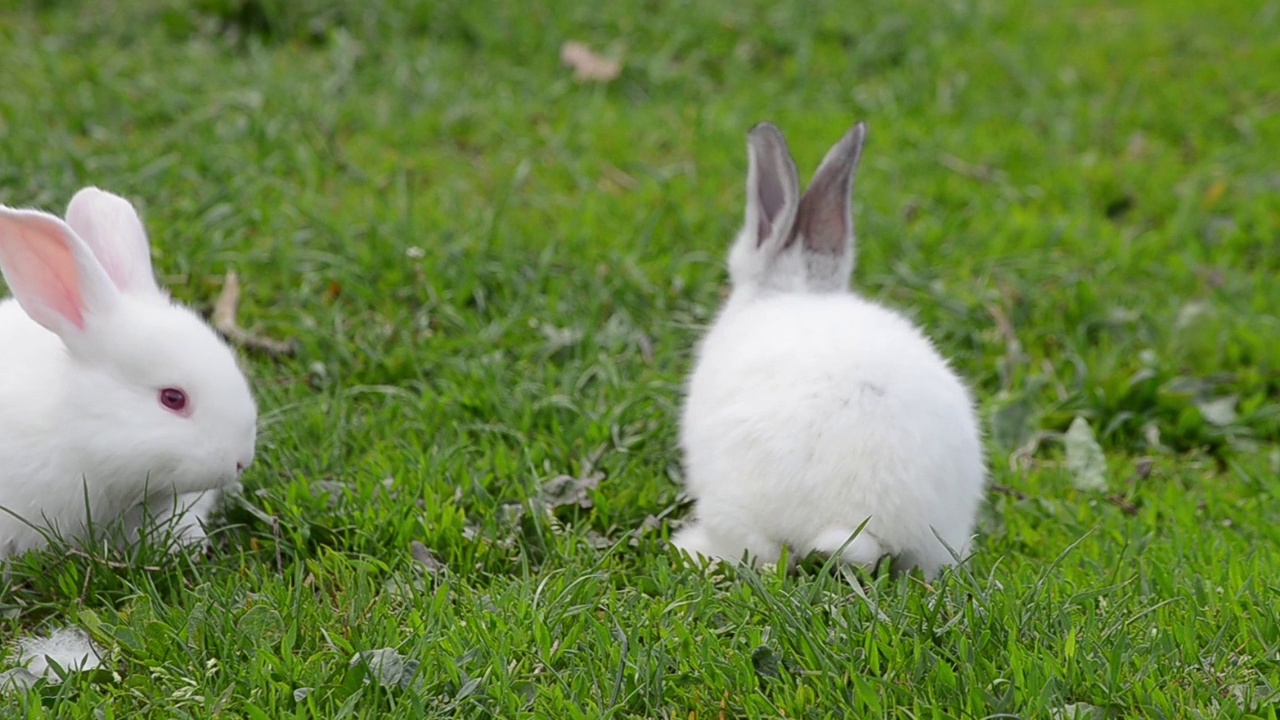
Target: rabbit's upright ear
x,y
824,222
53,274
111,228
773,188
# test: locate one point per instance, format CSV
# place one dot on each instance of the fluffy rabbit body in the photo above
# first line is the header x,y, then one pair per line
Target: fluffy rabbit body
x,y
115,403
811,410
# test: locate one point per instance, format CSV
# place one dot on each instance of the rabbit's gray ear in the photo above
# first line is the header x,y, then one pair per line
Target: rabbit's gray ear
x,y
773,187
824,220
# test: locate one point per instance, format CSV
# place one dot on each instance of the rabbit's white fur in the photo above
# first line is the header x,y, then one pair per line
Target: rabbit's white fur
x,y
70,647
86,346
811,410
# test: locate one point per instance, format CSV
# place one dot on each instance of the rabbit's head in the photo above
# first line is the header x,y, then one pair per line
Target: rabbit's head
x,y
789,242
152,394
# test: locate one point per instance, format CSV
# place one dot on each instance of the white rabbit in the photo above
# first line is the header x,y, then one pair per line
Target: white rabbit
x,y
115,403
811,410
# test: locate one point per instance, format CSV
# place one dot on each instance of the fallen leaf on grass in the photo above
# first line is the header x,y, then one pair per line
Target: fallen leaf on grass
x,y
263,623
1127,507
1219,411
564,490
401,589
1085,460
1190,313
1252,695
224,321
1013,423
1214,193
424,557
387,667
1006,490
332,490
598,541
984,173
587,64
1077,711
767,663
651,523
1137,147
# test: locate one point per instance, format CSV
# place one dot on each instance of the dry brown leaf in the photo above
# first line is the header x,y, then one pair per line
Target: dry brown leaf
x,y
424,557
224,321
1214,193
587,64
984,173
565,490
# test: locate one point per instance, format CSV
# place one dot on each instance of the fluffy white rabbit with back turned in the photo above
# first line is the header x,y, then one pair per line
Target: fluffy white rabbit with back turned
x,y
810,410
116,404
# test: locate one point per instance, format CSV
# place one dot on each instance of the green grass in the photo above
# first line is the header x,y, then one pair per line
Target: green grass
x,y
496,275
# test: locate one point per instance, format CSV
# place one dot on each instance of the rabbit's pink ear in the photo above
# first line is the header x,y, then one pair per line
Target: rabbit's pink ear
x,y
52,273
111,228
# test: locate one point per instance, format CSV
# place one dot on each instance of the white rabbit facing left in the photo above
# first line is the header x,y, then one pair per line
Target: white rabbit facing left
x,y
115,403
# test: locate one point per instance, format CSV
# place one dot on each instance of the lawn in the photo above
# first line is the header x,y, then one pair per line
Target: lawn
x,y
495,275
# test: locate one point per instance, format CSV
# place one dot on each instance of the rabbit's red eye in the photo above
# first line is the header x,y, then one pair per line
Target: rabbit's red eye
x,y
174,399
